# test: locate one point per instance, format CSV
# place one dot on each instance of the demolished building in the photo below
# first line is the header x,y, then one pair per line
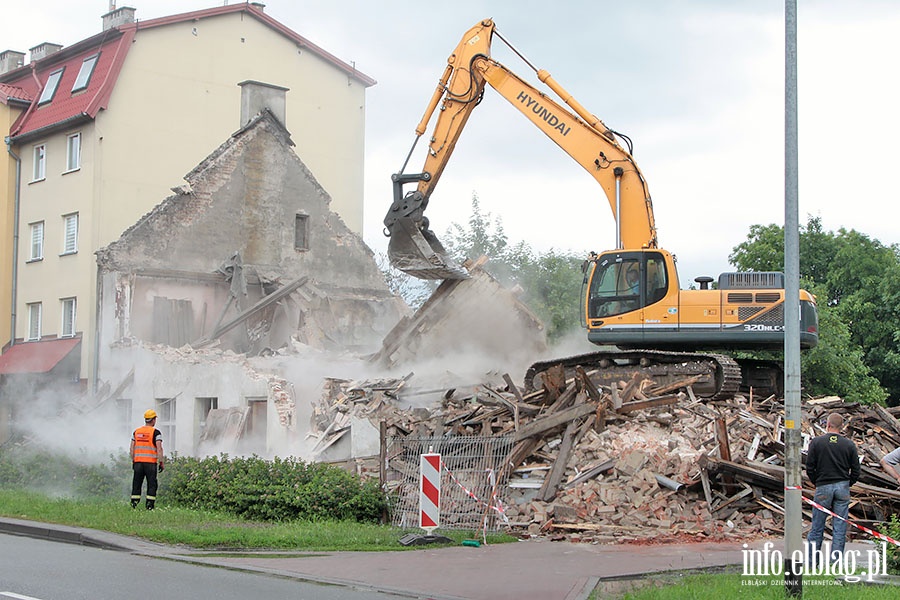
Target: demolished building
x,y
245,260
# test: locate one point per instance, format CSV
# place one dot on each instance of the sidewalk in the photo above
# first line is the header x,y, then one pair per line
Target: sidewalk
x,y
530,570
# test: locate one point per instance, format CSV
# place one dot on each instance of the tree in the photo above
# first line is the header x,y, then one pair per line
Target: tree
x,y
857,283
551,281
837,366
413,291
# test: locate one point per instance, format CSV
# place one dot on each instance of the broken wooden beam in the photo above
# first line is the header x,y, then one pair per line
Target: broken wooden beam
x,y
650,403
551,482
756,476
542,424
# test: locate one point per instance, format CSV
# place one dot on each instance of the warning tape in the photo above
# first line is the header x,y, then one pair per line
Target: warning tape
x,y
880,536
498,507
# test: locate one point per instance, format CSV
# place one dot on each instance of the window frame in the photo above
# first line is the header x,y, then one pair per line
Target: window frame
x,y
37,226
39,168
52,85
166,421
34,322
69,308
74,246
83,79
301,232
73,163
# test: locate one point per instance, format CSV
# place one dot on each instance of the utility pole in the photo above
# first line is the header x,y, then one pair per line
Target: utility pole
x,y
793,499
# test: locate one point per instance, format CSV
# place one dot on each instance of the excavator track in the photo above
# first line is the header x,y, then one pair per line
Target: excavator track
x,y
719,375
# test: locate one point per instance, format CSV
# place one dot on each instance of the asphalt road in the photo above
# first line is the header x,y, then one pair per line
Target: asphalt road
x,y
48,570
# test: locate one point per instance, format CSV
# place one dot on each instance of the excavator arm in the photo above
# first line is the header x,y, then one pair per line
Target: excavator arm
x,y
414,248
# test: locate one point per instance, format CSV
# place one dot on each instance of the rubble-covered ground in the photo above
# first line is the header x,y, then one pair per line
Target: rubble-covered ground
x,y
657,468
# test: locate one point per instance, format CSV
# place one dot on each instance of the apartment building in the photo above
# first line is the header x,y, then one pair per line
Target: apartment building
x,y
99,132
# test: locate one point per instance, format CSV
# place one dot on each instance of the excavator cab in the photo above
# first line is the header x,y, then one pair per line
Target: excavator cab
x,y
621,282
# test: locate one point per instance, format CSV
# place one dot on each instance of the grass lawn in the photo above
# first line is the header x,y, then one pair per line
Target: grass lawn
x,y
720,586
210,530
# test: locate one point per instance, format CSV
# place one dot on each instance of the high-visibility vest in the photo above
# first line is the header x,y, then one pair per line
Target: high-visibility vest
x,y
144,448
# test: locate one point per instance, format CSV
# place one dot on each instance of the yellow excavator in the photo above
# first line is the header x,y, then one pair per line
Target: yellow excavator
x,y
632,304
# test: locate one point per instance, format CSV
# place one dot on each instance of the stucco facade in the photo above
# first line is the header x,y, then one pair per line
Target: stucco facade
x,y
169,93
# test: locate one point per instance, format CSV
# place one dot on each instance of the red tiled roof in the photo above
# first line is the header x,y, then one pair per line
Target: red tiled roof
x,y
113,45
36,357
86,103
12,92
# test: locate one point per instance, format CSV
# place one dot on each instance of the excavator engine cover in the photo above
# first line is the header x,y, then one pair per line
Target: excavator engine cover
x,y
419,253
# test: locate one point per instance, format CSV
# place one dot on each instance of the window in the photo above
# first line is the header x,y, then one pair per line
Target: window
x,y
201,412
37,241
73,152
255,427
34,321
68,318
615,287
165,411
40,163
123,412
84,74
70,229
50,88
301,232
628,282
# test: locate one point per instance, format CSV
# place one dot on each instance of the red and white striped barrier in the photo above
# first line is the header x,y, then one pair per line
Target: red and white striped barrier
x,y
429,491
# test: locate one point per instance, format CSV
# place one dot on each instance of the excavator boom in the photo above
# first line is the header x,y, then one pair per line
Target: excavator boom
x,y
414,248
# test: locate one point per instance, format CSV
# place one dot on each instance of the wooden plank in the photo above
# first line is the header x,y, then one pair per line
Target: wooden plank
x,y
631,388
650,403
722,439
556,419
518,454
675,385
589,386
263,302
741,494
888,418
707,490
551,482
754,447
747,473
593,472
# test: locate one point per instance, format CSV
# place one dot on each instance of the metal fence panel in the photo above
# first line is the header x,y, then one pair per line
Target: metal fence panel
x,y
471,493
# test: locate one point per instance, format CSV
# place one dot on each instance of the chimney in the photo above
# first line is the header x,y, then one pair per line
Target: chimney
x,y
43,50
117,16
11,60
255,96
259,5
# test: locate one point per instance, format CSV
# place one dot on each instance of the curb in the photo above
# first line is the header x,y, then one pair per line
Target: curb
x,y
59,533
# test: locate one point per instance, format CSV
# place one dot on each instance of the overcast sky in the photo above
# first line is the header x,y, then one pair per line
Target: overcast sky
x,y
698,85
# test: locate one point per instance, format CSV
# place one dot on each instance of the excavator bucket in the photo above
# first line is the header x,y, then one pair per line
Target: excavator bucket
x,y
419,253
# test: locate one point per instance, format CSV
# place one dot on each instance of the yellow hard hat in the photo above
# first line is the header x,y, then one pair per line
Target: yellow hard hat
x,y
150,414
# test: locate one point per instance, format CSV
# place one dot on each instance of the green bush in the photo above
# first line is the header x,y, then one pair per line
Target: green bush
x,y
61,475
282,489
892,530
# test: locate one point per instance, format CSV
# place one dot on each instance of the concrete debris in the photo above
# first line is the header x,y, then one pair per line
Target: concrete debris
x,y
582,470
281,393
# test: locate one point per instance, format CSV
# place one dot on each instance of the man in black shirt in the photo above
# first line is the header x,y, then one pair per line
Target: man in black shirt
x,y
832,464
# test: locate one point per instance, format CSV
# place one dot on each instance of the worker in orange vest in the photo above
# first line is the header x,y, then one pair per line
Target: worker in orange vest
x,y
146,454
